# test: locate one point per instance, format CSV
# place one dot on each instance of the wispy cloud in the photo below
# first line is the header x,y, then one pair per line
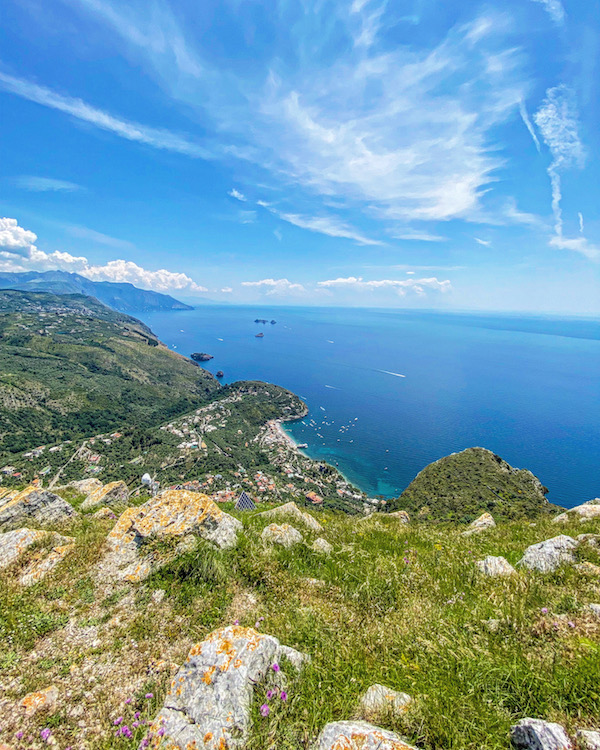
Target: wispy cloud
x,y
580,216
132,131
555,9
415,236
85,233
46,184
528,123
485,243
18,252
400,286
234,193
329,225
276,287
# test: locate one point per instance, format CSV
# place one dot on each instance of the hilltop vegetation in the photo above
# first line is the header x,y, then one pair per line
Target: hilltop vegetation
x,y
463,485
71,367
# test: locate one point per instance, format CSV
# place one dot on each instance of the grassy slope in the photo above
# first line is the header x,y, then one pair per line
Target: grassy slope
x,y
71,367
400,605
464,485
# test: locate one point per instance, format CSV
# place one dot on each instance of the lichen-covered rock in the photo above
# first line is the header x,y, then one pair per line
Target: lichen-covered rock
x,y
483,523
41,700
535,734
380,701
114,493
586,512
172,514
292,511
588,739
104,513
285,535
550,554
359,735
86,486
322,545
34,503
209,702
495,566
588,568
400,515
44,563
594,609
14,543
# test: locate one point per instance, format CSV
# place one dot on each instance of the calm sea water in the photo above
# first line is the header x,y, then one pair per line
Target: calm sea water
x,y
391,391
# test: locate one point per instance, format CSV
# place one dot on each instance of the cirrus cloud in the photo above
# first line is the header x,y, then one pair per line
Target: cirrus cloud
x,y
276,287
401,286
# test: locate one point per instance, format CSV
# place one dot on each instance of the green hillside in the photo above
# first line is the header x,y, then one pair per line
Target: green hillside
x,y
71,367
464,485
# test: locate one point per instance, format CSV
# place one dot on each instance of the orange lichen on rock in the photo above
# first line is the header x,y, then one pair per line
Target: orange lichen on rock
x,y
40,700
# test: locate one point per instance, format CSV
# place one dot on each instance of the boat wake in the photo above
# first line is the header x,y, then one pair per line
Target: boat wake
x,y
333,387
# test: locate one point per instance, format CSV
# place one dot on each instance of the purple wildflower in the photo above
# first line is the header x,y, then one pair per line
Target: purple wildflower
x,y
19,735
135,724
136,715
116,722
161,731
544,610
128,700
264,710
45,734
571,624
236,622
270,694
149,695
275,667
283,695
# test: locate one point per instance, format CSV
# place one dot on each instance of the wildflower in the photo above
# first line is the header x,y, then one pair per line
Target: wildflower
x,y
571,624
45,734
19,735
135,724
149,695
275,667
236,622
116,722
126,732
283,695
136,715
260,619
264,710
270,694
544,610
128,700
161,731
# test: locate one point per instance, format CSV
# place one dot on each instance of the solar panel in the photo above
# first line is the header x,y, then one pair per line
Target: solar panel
x,y
245,502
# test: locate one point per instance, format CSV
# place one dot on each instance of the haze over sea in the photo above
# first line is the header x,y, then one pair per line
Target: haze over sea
x,y
390,391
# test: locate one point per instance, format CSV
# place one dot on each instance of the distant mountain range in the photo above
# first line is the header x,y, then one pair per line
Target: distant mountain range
x,y
120,296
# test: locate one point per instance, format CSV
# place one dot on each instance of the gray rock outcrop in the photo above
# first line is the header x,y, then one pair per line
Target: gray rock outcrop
x,y
359,735
495,566
293,512
381,701
483,523
322,545
586,512
400,515
550,554
114,493
285,535
588,739
35,504
535,734
210,699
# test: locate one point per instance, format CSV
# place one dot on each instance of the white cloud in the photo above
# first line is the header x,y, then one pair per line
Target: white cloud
x,y
132,131
580,216
46,184
18,252
278,234
227,290
528,123
85,233
418,286
276,287
555,9
329,225
419,237
247,217
557,121
237,195
485,243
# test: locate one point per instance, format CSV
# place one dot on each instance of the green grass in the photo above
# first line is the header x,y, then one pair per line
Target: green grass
x,y
400,605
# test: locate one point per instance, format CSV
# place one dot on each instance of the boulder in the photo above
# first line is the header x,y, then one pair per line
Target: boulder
x,y
322,545
400,515
41,700
495,566
381,701
483,523
44,563
86,486
285,535
586,512
14,543
210,699
359,735
588,739
34,503
293,512
594,609
172,514
588,568
104,513
592,540
535,734
114,493
550,554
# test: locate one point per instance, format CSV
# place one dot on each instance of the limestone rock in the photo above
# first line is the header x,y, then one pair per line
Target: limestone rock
x,y
586,512
36,504
592,540
483,523
285,535
322,545
588,568
400,515
114,493
359,735
594,609
293,512
44,563
380,701
209,702
42,700
495,566
588,739
535,734
172,514
14,543
550,554
86,486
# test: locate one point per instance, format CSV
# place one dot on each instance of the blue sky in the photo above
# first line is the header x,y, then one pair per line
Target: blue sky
x,y
411,153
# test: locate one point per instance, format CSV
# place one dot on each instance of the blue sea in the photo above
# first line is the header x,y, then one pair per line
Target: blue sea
x,y
389,391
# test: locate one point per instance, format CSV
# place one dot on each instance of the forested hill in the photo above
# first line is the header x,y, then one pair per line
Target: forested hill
x,y
71,367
